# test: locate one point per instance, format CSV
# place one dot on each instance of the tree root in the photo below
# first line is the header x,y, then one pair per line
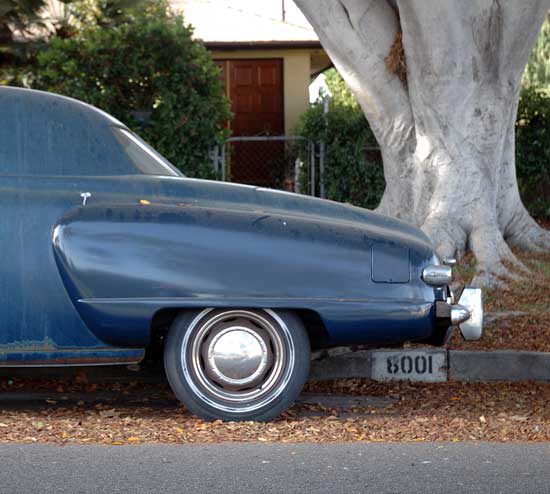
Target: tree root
x,y
524,232
496,263
451,238
493,253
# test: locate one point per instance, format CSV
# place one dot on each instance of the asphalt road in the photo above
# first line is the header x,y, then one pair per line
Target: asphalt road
x,y
281,468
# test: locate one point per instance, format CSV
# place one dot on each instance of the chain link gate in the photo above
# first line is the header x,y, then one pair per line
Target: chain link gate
x,y
277,162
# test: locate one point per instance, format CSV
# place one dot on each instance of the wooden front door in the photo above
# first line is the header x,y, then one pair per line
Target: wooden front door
x,y
255,89
256,94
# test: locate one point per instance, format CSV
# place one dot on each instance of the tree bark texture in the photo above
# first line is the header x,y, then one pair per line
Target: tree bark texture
x,y
447,133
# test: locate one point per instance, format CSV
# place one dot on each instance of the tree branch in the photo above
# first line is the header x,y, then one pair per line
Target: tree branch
x,y
487,41
521,27
358,35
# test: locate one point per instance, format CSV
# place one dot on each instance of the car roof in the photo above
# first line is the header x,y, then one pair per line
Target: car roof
x,y
98,116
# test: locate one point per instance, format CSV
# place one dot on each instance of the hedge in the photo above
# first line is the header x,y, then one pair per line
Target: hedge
x,y
352,173
533,151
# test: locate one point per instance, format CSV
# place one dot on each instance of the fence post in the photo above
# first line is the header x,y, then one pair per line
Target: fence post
x,y
326,106
312,167
223,162
322,170
214,156
297,174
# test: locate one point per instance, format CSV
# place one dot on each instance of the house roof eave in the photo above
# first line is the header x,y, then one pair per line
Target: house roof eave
x,y
262,45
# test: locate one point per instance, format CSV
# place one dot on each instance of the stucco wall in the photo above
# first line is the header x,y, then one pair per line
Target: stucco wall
x,y
296,77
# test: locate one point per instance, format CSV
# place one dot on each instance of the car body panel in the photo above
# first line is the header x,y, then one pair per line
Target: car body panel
x,y
165,256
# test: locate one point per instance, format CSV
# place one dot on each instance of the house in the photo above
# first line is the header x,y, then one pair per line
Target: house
x,y
268,54
261,45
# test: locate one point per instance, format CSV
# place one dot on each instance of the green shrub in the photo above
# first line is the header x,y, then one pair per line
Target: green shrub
x,y
341,93
533,151
150,74
537,72
353,173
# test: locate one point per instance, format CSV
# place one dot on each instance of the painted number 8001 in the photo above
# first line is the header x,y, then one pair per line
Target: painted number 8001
x,y
407,364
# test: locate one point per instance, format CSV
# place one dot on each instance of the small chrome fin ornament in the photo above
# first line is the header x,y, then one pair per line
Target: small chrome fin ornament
x,y
85,196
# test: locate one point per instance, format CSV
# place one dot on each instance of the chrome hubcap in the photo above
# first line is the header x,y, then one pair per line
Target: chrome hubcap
x,y
237,360
236,356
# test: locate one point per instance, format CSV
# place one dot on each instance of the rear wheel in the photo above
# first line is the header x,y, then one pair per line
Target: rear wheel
x,y
237,364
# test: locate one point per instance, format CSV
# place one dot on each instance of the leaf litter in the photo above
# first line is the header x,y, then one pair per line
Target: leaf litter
x,y
418,412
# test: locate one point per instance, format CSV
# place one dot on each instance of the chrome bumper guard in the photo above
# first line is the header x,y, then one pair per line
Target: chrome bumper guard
x,y
471,326
467,315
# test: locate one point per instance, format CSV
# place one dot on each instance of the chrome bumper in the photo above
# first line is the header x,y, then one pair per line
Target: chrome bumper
x,y
471,300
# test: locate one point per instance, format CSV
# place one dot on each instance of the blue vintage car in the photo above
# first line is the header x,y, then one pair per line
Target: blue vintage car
x,y
106,248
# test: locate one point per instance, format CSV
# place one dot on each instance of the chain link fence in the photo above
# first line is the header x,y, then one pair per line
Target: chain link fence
x,y
272,161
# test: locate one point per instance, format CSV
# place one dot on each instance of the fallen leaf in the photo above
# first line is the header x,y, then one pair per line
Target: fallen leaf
x,y
106,414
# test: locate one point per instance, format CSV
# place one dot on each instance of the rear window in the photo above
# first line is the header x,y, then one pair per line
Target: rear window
x,y
144,157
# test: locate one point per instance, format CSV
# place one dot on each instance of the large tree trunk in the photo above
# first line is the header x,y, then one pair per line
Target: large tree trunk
x,y
446,132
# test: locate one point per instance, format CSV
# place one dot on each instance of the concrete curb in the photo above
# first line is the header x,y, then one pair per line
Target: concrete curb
x,y
354,364
499,366
456,365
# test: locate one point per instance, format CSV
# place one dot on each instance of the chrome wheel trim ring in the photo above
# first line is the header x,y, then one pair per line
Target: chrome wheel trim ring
x,y
276,378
